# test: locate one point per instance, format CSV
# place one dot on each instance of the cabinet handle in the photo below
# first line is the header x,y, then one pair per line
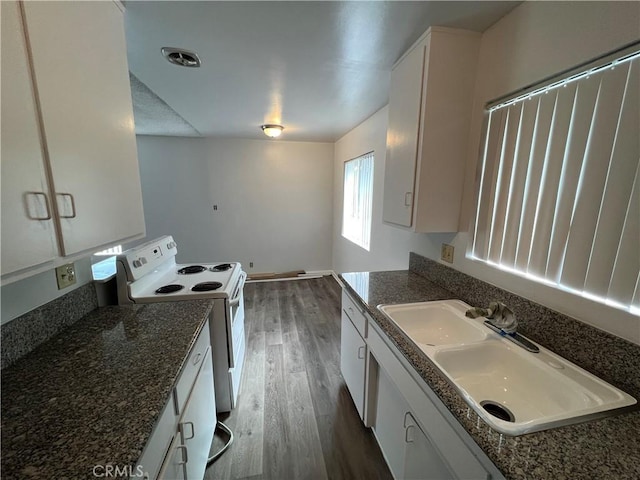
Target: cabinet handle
x,y
407,199
406,434
361,349
407,427
185,455
46,204
197,358
407,414
73,205
193,430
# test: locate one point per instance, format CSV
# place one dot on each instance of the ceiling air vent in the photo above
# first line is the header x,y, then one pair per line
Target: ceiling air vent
x,y
180,57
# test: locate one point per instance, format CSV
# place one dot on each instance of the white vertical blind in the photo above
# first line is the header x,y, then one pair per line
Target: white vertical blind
x,y
518,182
358,200
550,182
592,178
505,166
558,197
617,193
576,145
484,214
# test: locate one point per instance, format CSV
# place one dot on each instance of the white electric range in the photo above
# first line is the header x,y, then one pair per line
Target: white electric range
x,y
149,273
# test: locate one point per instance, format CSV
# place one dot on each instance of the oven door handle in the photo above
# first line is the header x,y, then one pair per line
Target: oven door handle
x,y
235,299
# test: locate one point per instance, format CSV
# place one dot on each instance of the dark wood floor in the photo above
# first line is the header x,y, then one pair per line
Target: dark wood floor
x,y
295,418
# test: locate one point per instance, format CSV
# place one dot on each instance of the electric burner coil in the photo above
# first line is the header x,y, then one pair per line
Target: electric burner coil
x,y
173,287
206,286
221,267
191,269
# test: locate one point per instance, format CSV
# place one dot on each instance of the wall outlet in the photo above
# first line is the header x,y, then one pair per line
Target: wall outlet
x,y
447,253
250,264
66,275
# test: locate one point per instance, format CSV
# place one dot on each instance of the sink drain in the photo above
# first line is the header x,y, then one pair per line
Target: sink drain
x,y
498,411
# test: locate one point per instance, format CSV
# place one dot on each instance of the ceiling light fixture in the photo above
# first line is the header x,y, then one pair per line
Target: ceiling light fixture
x,y
272,131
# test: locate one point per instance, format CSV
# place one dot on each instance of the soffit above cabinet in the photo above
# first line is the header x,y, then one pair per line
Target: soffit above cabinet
x,y
319,68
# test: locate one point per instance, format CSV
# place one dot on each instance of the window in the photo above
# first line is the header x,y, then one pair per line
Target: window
x,y
116,250
358,198
105,265
558,196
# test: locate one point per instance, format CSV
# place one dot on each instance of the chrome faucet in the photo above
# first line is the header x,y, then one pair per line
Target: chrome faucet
x,y
499,314
502,320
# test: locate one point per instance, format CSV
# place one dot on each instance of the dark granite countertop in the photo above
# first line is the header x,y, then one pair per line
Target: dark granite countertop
x,y
600,449
91,395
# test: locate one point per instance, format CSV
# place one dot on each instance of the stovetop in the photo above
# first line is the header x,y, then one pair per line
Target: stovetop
x,y
149,273
169,284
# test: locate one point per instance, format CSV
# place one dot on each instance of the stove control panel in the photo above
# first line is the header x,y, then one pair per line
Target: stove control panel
x,y
140,260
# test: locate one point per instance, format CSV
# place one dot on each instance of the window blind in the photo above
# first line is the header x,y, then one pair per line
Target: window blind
x,y
358,200
558,192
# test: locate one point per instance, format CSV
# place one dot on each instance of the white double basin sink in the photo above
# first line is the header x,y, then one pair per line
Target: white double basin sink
x,y
513,390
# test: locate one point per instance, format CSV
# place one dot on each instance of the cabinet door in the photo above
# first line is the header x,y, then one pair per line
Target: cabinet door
x,y
391,409
81,72
403,394
353,353
198,421
28,235
405,98
421,459
174,466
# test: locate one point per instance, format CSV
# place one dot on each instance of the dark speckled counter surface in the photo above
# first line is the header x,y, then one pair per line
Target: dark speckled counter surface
x,y
92,394
600,449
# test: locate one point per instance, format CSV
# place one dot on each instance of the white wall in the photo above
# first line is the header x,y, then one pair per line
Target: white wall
x,y
25,295
534,41
389,245
274,200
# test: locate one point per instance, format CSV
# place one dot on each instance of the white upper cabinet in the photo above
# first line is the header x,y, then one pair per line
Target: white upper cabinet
x,y
70,178
28,234
402,137
430,106
80,68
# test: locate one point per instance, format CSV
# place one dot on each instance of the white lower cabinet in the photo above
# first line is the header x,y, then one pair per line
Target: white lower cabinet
x,y
189,450
353,351
179,445
421,457
418,435
407,449
390,411
174,465
198,422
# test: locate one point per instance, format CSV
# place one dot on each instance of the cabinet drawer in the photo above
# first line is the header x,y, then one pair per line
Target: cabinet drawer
x,y
355,314
190,369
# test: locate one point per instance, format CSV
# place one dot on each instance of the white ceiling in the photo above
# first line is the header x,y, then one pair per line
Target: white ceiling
x,y
318,68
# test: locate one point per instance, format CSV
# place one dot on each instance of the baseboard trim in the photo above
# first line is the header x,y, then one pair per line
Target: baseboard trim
x,y
304,276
